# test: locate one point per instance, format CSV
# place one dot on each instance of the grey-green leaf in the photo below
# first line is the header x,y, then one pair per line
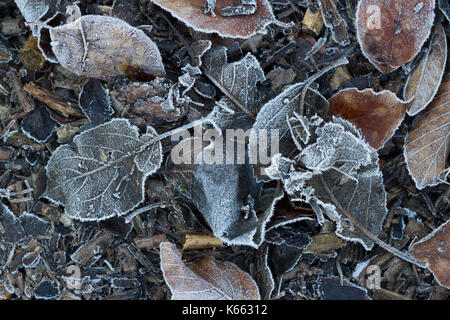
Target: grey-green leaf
x,y
103,174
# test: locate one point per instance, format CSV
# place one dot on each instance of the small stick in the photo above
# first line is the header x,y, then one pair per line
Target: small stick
x,y
53,101
200,241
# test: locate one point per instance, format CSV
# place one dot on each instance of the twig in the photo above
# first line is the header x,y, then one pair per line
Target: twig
x,y
53,101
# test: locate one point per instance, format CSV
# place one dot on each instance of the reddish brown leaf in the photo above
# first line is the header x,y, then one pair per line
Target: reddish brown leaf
x,y
206,279
191,12
435,249
103,47
378,115
423,82
428,143
391,32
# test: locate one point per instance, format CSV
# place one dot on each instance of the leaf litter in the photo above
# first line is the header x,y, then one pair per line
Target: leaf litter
x,y
95,203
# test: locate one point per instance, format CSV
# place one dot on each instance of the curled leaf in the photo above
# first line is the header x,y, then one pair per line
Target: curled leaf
x,y
103,175
428,143
435,250
391,32
103,47
192,13
423,82
206,279
378,115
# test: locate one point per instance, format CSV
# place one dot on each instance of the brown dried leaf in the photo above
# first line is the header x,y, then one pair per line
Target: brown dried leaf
x,y
103,47
391,32
191,12
378,115
423,82
206,279
435,249
428,143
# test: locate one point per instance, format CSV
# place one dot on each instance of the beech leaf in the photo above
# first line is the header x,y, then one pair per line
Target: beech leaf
x,y
206,279
423,82
192,13
391,32
103,175
428,143
378,115
435,250
103,47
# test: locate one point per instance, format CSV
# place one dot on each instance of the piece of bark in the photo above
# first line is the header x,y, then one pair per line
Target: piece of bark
x,y
53,101
313,21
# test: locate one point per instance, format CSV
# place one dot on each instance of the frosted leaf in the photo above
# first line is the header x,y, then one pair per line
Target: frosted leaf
x,y
336,148
364,199
220,191
286,246
239,78
95,103
206,279
201,16
423,83
427,144
343,172
104,174
391,32
103,47
275,114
